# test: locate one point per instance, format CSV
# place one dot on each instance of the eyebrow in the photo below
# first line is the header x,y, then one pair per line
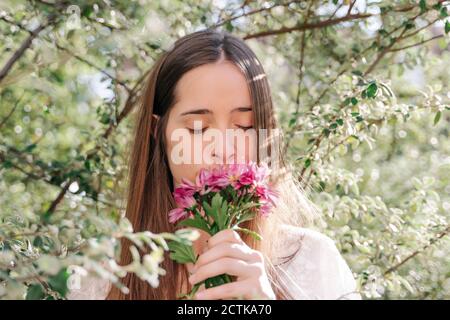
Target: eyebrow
x,y
207,111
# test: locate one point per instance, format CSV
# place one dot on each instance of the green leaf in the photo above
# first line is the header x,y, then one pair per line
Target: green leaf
x,y
254,234
181,253
437,6
105,118
423,6
372,90
209,211
447,26
58,282
195,222
307,163
30,148
217,281
218,210
7,164
437,117
292,122
354,101
229,26
217,206
35,292
246,217
87,11
408,25
322,185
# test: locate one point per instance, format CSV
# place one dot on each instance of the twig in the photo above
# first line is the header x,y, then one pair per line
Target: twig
x,y
309,26
417,44
415,253
76,56
103,71
250,13
12,111
24,46
300,78
350,7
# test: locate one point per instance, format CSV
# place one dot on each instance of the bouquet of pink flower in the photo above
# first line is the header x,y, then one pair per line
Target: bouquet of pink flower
x,y
220,198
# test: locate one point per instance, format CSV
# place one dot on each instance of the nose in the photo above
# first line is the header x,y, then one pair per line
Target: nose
x,y
224,151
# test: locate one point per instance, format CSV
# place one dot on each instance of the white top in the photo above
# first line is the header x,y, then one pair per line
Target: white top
x,y
317,271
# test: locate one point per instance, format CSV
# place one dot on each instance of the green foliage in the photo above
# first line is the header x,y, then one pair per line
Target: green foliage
x,y
181,253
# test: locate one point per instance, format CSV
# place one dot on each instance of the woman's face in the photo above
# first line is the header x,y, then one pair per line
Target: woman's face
x,y
211,120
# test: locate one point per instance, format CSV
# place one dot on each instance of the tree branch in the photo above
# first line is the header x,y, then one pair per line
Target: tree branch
x,y
300,80
253,12
415,253
76,56
11,112
417,44
24,46
309,26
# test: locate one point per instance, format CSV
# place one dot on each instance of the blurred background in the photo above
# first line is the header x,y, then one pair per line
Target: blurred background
x,y
361,90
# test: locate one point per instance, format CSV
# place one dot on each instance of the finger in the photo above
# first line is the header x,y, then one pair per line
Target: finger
x,y
225,291
227,235
227,249
229,266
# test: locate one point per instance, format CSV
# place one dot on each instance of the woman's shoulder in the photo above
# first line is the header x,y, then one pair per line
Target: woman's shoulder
x,y
316,266
306,237
311,244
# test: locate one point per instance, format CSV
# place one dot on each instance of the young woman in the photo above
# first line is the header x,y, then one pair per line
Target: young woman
x,y
213,80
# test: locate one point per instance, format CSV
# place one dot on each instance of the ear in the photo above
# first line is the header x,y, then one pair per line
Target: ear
x,y
154,124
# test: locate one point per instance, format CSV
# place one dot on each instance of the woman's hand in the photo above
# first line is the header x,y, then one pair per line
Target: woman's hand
x,y
228,253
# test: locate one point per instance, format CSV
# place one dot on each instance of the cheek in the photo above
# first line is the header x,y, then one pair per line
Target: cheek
x,y
179,169
247,150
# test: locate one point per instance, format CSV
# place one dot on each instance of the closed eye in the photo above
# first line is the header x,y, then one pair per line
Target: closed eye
x,y
197,131
244,128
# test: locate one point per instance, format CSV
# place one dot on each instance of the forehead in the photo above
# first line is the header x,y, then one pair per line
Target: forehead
x,y
213,85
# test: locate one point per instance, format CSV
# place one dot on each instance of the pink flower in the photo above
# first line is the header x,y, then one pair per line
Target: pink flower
x,y
248,176
219,178
185,202
266,194
261,173
202,178
234,174
212,180
178,214
265,209
184,194
249,181
188,187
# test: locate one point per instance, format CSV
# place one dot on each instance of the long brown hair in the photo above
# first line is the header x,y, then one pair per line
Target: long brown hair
x,y
150,182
